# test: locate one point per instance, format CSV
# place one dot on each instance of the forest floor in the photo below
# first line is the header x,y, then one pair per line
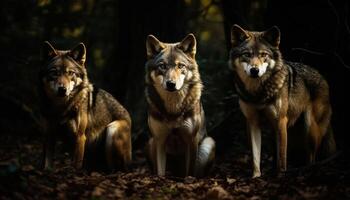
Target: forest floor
x,y
21,178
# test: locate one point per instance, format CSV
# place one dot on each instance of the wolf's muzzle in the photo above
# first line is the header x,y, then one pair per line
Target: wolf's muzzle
x,y
61,92
254,72
170,86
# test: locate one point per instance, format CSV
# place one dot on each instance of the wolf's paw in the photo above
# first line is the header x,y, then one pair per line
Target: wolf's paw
x,y
256,174
48,168
47,165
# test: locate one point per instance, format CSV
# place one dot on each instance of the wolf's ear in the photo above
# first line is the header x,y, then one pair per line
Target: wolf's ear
x,y
189,45
272,36
238,35
48,52
153,46
78,53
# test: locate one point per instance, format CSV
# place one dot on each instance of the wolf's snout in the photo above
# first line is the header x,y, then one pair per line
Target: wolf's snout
x,y
62,91
171,86
254,72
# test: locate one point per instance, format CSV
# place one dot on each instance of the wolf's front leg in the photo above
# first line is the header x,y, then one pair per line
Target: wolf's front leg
x,y
79,151
160,156
191,156
160,133
254,133
282,144
255,138
151,153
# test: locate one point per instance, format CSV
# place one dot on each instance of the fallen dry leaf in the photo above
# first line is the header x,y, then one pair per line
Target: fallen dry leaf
x,y
217,192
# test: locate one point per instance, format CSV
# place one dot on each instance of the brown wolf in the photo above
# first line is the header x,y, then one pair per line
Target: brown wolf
x,y
281,92
176,117
93,121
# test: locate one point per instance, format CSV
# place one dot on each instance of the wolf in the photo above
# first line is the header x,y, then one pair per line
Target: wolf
x,y
89,119
289,97
179,141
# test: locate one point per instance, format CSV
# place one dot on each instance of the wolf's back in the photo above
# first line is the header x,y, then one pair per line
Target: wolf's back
x,y
105,108
306,79
301,74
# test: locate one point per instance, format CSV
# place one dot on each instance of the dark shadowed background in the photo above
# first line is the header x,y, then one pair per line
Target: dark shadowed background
x,y
315,32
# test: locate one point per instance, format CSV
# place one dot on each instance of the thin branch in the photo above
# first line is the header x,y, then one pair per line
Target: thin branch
x,y
308,51
347,28
340,59
335,11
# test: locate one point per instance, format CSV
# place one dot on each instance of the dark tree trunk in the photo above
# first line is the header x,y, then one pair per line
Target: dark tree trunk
x,y
247,14
232,15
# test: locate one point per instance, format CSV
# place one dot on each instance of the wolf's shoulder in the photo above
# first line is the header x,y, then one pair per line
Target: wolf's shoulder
x,y
301,68
101,96
101,93
305,73
104,103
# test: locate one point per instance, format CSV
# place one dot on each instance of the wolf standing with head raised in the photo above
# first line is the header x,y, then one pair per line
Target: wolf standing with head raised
x,y
90,118
176,117
282,93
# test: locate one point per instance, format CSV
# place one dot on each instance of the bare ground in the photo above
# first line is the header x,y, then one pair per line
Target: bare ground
x,y
21,178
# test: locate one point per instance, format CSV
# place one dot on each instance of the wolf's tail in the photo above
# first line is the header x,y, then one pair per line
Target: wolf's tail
x,y
205,158
328,145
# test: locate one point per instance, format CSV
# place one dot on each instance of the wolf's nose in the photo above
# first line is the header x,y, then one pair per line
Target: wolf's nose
x,y
62,91
254,72
170,86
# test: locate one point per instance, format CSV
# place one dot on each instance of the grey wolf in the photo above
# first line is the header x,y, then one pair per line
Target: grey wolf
x,y
91,120
279,93
179,141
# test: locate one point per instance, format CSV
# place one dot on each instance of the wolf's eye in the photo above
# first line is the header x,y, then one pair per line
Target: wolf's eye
x,y
181,65
247,55
71,73
53,73
263,55
161,66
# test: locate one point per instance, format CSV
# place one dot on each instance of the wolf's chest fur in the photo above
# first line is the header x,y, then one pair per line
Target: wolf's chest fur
x,y
262,90
177,114
173,132
172,101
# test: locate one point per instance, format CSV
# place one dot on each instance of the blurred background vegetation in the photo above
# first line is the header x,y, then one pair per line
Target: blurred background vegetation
x,y
315,32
